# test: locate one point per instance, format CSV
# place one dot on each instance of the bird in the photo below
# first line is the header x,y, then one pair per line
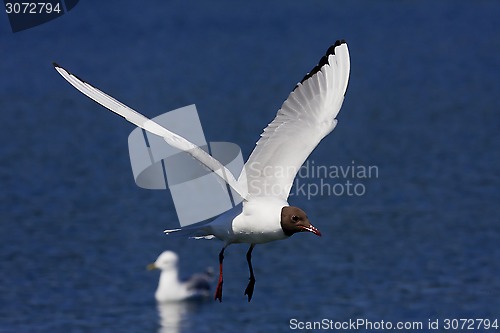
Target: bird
x,y
171,289
304,119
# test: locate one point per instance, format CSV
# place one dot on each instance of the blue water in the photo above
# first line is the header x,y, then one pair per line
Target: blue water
x,y
422,105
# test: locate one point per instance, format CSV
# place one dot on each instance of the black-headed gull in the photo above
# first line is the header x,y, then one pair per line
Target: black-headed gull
x,y
170,288
304,119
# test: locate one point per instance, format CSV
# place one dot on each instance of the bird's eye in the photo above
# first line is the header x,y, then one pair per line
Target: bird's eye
x,y
295,218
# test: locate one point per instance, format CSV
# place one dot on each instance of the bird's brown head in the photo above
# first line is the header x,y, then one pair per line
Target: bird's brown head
x,y
294,219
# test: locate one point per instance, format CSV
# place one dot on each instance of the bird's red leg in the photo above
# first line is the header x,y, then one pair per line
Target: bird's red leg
x,y
218,291
251,282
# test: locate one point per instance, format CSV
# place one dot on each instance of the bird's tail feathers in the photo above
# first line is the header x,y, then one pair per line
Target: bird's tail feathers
x,y
196,232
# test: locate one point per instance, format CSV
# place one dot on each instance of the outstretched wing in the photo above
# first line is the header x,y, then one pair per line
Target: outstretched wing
x,y
305,118
149,125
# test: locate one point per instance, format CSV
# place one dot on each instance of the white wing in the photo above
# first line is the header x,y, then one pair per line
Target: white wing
x,y
305,118
149,125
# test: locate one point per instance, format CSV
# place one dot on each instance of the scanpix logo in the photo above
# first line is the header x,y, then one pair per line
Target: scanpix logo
x,y
25,14
200,194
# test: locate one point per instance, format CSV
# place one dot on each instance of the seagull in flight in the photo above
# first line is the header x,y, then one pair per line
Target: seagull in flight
x,y
305,118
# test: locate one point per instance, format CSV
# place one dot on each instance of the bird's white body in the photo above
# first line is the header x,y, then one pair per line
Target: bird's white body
x,y
258,222
170,289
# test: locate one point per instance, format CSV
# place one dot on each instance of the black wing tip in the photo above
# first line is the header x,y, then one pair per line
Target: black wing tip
x,y
331,49
57,66
323,61
339,42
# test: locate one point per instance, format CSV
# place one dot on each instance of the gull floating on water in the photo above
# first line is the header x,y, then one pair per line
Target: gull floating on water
x,y
305,118
171,289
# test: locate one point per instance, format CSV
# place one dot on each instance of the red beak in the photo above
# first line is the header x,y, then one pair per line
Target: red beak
x,y
312,229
